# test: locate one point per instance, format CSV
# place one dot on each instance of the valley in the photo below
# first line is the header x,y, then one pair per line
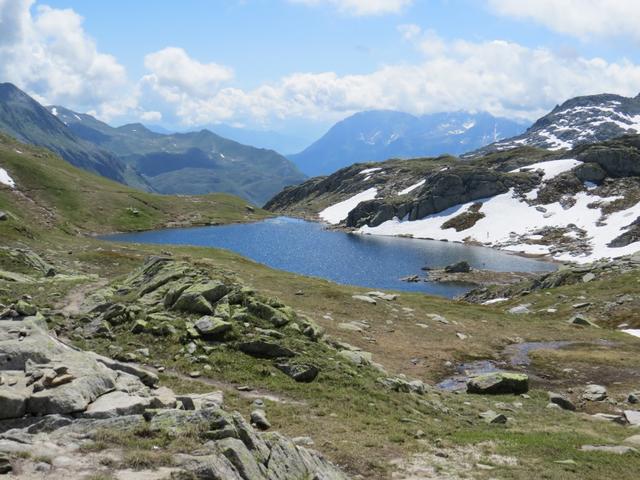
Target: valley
x,y
343,370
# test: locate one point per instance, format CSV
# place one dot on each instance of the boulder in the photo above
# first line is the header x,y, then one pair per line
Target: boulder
x,y
594,393
633,440
582,321
201,401
265,349
259,419
562,401
357,357
13,404
116,404
212,326
590,172
499,383
492,417
460,267
302,373
520,309
24,308
193,303
3,216
633,417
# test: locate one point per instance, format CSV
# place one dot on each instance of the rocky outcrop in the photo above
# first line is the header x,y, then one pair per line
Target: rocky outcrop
x,y
565,275
54,397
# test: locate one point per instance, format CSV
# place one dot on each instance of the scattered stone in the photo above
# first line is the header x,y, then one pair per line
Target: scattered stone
x,y
581,305
588,277
259,419
499,383
520,309
594,393
300,373
582,321
265,349
615,449
492,417
461,336
195,374
562,401
3,216
633,398
609,417
389,297
364,298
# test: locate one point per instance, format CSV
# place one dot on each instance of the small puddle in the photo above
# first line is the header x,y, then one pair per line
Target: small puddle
x,y
517,356
464,371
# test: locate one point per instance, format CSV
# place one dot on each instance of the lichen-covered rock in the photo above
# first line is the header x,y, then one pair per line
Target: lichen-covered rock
x,y
299,372
499,383
265,349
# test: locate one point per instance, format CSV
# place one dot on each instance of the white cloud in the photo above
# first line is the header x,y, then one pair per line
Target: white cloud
x,y
174,73
409,31
50,56
361,7
151,116
579,18
503,78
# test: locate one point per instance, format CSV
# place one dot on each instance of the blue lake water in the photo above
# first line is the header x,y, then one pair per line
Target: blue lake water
x,y
364,260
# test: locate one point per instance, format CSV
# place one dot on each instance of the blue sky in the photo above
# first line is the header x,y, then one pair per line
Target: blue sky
x,y
300,65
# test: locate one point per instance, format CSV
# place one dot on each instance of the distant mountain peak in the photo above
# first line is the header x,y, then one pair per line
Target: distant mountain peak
x,y
578,121
382,134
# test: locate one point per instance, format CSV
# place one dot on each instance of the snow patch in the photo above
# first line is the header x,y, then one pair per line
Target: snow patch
x,y
6,179
54,111
551,169
632,331
340,211
507,218
495,300
369,170
412,187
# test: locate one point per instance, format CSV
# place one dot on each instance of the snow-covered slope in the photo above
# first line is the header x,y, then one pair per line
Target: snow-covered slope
x,y
512,222
6,179
578,121
577,206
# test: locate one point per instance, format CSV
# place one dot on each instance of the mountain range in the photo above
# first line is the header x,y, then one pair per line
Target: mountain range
x,y
28,121
188,163
383,134
181,163
578,121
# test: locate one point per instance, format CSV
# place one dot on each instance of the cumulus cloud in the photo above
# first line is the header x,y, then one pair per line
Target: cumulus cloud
x,y
580,18
500,77
361,7
50,55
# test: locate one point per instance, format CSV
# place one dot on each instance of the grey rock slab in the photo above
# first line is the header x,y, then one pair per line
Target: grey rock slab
x,y
115,404
613,449
633,417
364,298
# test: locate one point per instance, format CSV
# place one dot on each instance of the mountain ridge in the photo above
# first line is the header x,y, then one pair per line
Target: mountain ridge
x,y
382,134
577,121
195,162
